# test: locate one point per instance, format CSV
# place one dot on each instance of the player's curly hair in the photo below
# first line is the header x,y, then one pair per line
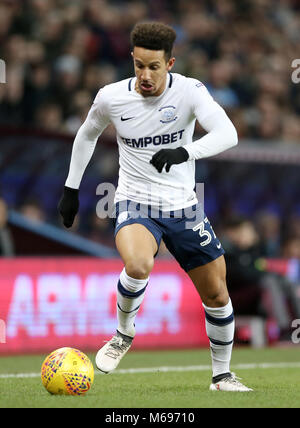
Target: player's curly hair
x,y
154,36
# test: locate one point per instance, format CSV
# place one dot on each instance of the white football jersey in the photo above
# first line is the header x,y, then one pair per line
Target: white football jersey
x,y
145,125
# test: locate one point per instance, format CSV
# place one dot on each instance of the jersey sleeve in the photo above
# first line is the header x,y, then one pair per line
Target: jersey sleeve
x,y
221,133
86,139
98,115
203,104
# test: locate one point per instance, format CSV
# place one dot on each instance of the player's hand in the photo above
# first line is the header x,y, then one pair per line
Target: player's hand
x,y
169,157
69,205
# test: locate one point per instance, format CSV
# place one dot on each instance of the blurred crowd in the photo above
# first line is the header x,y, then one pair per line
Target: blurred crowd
x,y
58,54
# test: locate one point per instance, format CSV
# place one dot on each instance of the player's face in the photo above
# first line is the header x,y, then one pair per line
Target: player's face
x,y
151,69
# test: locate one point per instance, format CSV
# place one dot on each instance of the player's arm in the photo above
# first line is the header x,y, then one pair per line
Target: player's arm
x,y
221,134
82,152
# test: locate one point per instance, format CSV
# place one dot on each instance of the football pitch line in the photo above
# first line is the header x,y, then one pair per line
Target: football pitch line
x,y
167,369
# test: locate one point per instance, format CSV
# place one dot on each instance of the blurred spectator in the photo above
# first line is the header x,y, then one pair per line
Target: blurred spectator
x,y
49,117
241,243
292,229
11,97
37,90
290,129
268,227
79,109
220,80
33,212
253,291
101,230
268,118
6,242
291,248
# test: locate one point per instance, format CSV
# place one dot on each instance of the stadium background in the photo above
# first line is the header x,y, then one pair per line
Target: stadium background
x,y
58,288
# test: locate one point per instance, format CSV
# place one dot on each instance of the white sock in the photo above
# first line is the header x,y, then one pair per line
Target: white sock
x,y
220,331
130,295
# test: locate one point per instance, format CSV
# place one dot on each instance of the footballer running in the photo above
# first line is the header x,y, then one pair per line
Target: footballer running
x,y
154,114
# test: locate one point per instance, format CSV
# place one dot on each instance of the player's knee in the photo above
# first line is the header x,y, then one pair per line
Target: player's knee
x,y
219,297
139,268
218,301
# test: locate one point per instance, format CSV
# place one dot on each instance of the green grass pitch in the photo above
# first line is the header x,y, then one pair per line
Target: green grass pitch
x,y
182,384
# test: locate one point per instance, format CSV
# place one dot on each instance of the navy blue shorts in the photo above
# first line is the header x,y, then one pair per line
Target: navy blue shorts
x,y
187,233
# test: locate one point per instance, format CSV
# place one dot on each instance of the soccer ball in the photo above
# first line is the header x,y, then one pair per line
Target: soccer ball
x,y
67,371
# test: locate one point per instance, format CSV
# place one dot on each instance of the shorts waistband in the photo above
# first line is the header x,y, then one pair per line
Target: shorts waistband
x,y
127,205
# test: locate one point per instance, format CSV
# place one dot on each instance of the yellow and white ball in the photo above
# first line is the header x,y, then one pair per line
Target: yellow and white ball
x,y
67,371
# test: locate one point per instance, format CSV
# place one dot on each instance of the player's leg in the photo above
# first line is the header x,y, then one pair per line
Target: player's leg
x,y
199,252
210,282
137,247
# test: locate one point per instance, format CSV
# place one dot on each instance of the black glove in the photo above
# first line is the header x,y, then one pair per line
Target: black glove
x,y
69,205
169,157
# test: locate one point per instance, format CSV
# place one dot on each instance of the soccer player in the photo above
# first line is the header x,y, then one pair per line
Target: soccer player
x,y
154,115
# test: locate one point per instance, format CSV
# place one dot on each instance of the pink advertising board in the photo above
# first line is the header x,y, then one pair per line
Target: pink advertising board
x,y
47,303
